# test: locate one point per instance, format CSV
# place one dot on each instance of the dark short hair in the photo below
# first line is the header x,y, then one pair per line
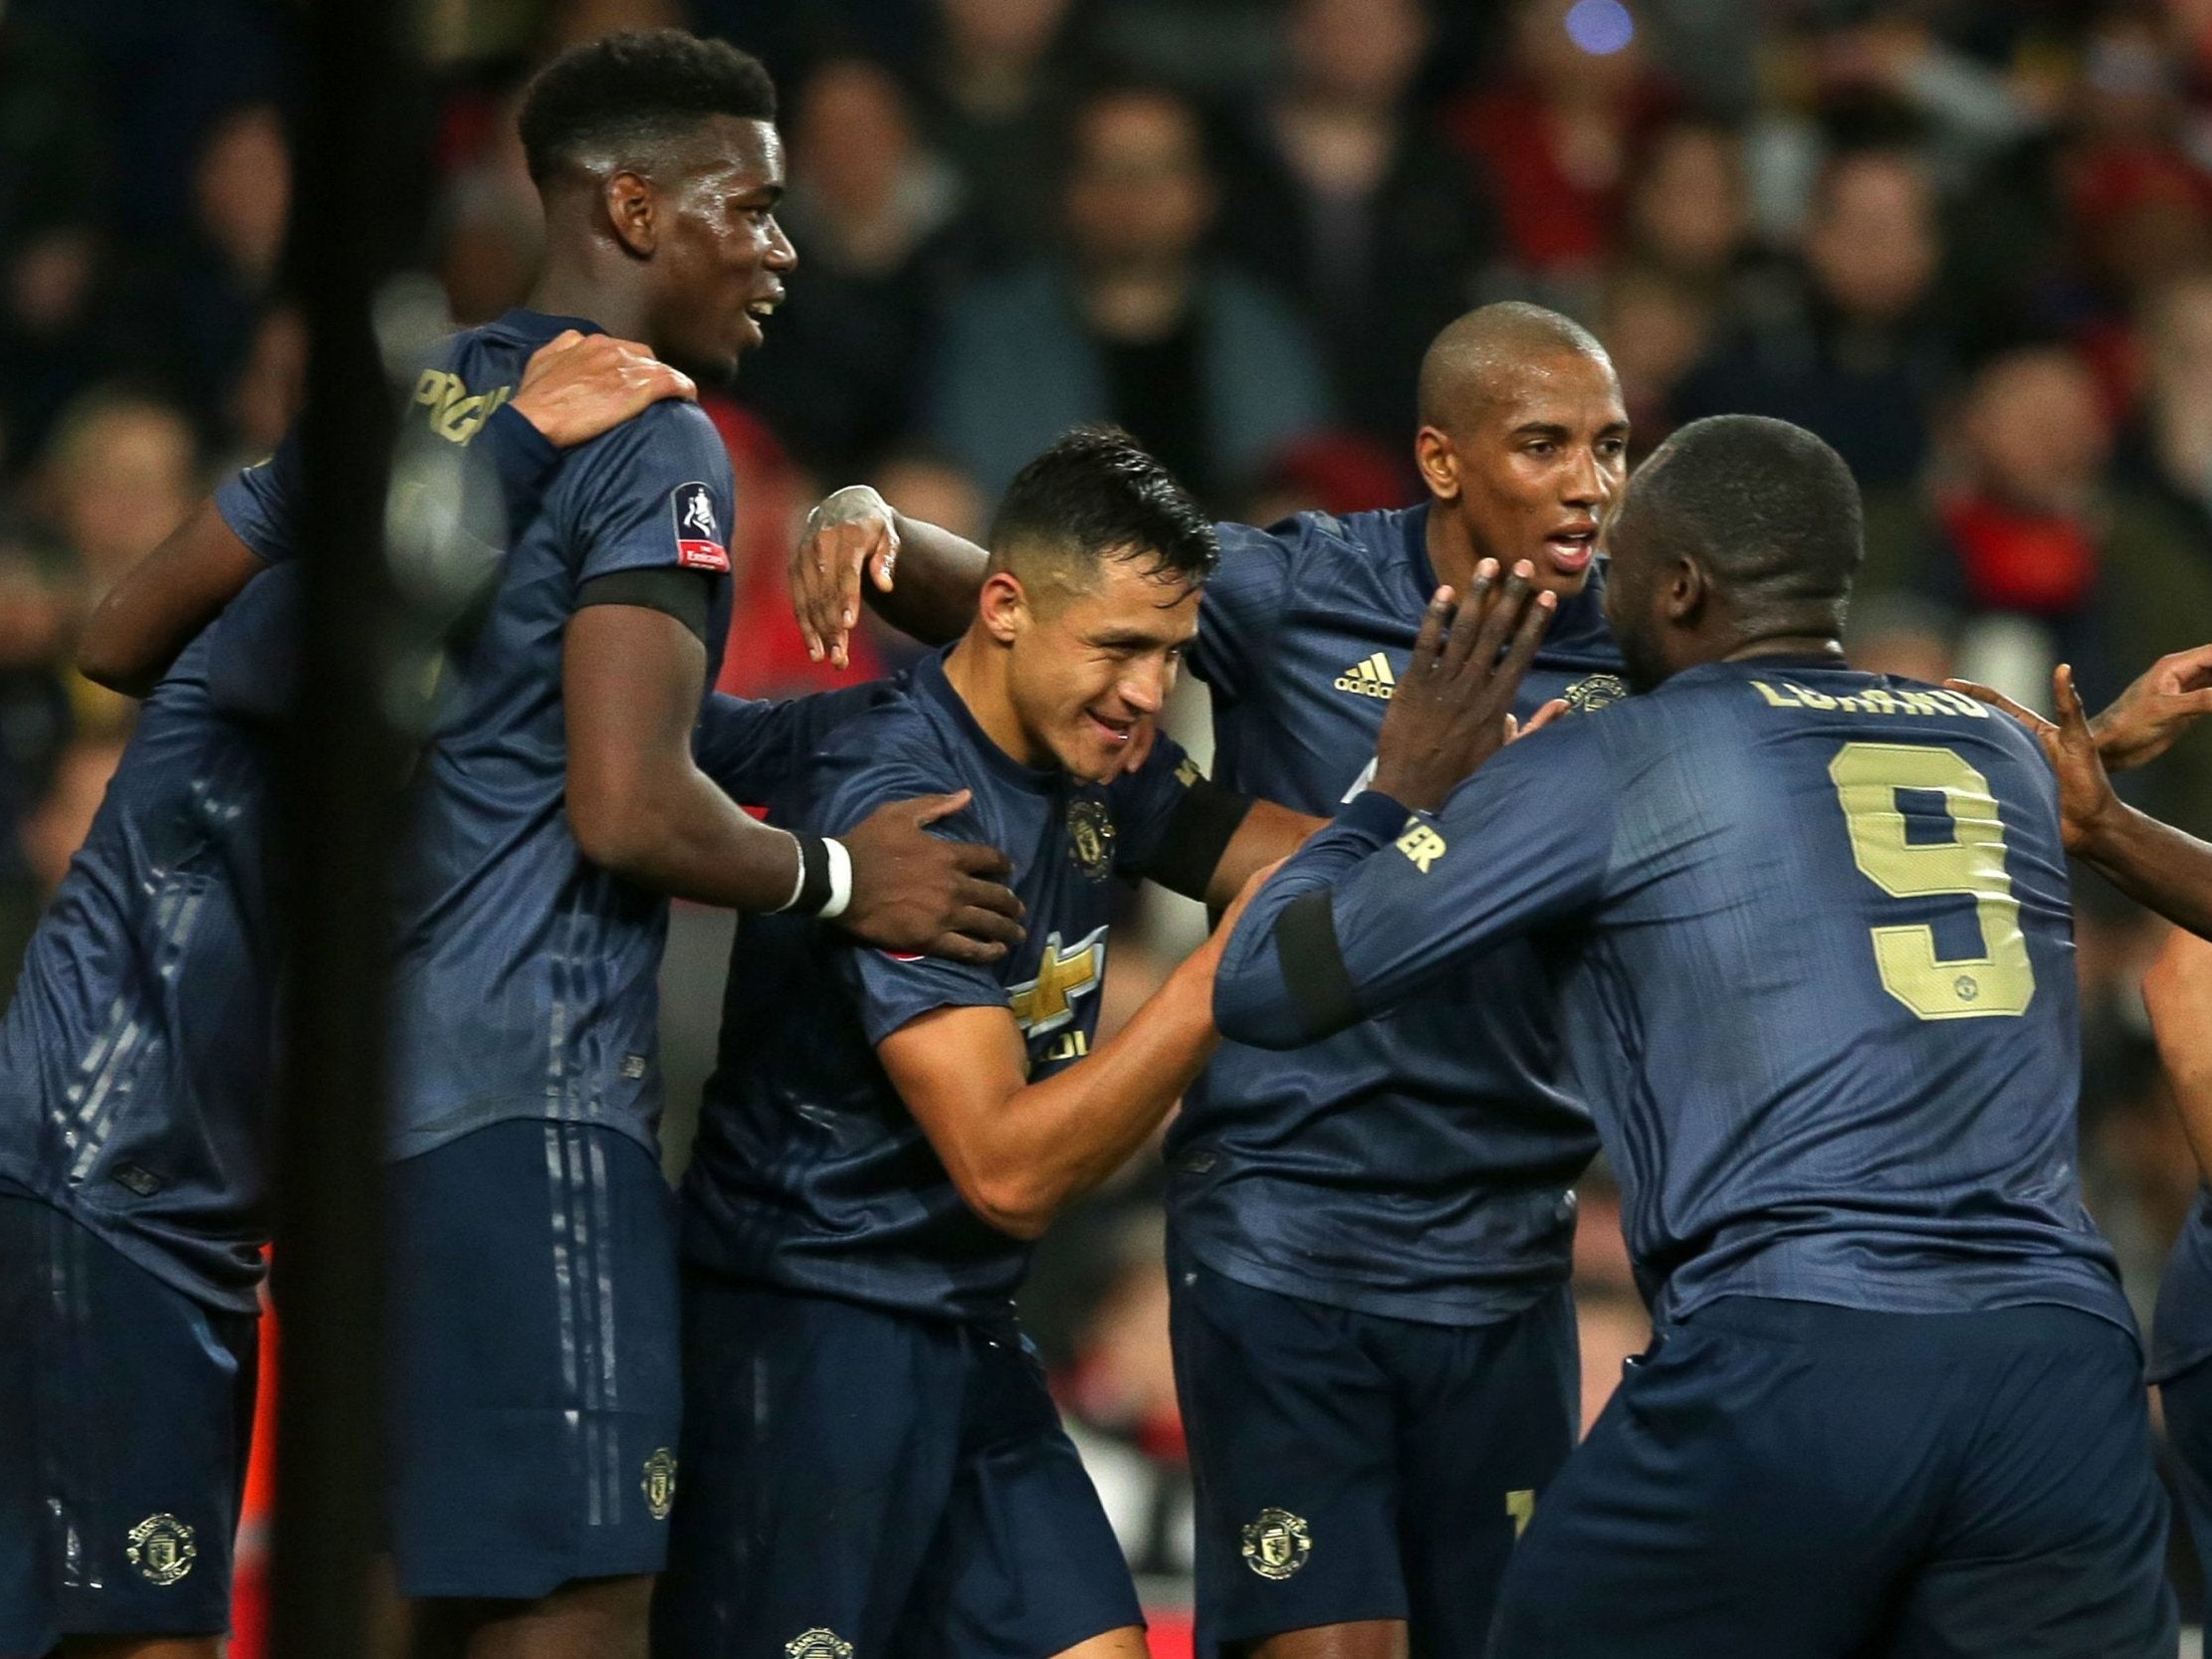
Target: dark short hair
x,y
1766,507
639,87
1096,494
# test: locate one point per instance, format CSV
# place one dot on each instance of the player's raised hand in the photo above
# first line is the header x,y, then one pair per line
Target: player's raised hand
x,y
1451,709
2086,798
2168,697
917,892
849,532
578,385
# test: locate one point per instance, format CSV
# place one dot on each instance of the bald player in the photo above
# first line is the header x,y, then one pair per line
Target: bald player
x,y
1370,1237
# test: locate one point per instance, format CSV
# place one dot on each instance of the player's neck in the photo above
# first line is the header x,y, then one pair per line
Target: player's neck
x,y
569,288
975,669
1814,644
1450,554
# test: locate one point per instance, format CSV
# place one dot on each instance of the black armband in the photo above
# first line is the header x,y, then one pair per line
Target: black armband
x,y
1312,963
1204,823
682,595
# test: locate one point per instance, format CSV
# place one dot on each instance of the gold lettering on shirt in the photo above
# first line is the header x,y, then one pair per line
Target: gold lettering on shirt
x,y
453,412
1874,700
1421,844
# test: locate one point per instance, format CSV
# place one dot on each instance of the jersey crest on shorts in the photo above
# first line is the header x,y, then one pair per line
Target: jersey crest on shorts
x,y
1277,1542
161,1547
660,1482
818,1643
698,539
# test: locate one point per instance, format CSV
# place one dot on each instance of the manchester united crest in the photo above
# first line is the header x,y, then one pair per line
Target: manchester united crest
x,y
660,1484
1594,691
1090,838
1277,1542
161,1547
818,1645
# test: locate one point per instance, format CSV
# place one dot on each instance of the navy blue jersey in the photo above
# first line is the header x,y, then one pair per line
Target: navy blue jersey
x,y
2181,1327
1416,1166
525,984
809,1172
1814,950
135,1059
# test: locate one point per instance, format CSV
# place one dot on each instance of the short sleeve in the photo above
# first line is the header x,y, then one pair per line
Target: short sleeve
x,y
260,503
656,492
1144,803
1243,604
889,989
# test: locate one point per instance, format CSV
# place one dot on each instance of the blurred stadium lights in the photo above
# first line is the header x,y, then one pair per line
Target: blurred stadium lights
x,y
1600,26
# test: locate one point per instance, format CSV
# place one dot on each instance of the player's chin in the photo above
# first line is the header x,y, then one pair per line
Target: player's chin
x,y
1095,752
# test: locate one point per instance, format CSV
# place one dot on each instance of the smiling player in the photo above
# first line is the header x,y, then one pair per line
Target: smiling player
x,y
1370,1239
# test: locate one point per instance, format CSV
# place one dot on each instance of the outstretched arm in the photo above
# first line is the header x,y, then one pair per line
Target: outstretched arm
x,y
575,387
1021,1152
1386,899
2156,865
922,579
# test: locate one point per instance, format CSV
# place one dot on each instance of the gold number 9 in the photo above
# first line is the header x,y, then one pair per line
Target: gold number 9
x,y
2001,980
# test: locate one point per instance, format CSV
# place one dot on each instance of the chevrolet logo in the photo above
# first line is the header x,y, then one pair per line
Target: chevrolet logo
x,y
1371,677
1047,1002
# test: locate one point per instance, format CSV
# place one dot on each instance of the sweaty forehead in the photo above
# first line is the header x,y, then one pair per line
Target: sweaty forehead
x,y
724,155
1511,389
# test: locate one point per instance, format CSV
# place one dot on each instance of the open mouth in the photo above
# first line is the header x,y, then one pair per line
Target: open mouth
x,y
1112,731
757,313
1571,551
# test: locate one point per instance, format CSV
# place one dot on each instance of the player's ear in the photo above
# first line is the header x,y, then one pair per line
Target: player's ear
x,y
1438,462
630,205
1002,606
1687,588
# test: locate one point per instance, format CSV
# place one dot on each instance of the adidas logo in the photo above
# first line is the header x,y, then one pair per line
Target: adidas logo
x,y
1372,678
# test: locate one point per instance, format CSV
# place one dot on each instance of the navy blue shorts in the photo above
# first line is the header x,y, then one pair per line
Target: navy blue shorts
x,y
2187,1399
1790,1478
1351,1466
857,1476
535,1382
126,1412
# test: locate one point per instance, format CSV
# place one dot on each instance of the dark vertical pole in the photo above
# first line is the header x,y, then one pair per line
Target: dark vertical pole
x,y
343,764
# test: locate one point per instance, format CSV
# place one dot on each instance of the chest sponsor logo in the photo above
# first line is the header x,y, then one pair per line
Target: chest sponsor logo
x,y
1090,838
698,539
1277,1542
659,1483
1369,676
1594,691
161,1547
818,1643
1047,1002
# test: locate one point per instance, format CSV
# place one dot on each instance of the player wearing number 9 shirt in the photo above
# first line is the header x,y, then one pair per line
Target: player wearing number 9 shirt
x,y
1810,933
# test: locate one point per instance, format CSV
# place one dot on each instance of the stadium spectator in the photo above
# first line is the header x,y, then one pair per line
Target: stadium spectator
x,y
1556,135
1853,347
1134,325
2042,558
992,86
2168,450
1342,191
873,210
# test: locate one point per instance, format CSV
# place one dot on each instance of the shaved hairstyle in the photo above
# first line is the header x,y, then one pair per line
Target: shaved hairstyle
x,y
1470,358
1770,509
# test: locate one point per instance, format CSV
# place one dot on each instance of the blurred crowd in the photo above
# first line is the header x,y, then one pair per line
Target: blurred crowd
x,y
1967,240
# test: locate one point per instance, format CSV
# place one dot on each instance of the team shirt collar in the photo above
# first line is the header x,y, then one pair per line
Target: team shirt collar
x,y
931,685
